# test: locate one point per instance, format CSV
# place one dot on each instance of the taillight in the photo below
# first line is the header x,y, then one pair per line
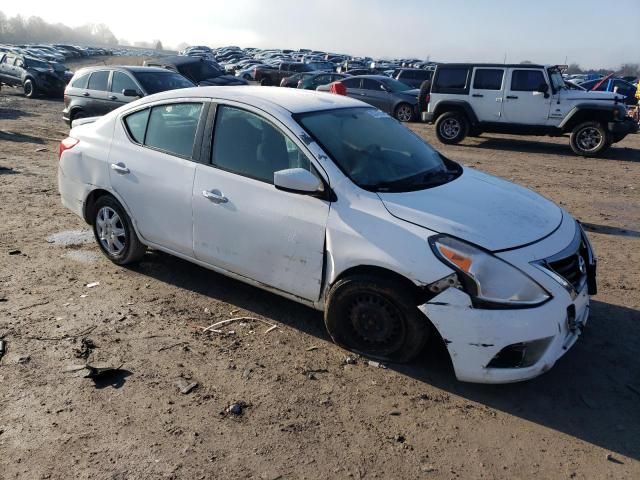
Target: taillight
x,y
427,97
67,144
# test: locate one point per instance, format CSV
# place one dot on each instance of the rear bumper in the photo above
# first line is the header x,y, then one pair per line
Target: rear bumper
x,y
428,117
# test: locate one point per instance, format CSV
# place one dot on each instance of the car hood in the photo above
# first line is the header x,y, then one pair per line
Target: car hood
x,y
222,80
592,95
479,208
413,93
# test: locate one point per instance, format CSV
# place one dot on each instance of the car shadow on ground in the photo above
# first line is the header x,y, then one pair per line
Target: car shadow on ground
x,y
616,152
608,230
592,393
19,137
7,171
13,114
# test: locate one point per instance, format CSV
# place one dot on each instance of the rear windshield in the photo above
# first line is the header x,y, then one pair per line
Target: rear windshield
x,y
154,82
199,71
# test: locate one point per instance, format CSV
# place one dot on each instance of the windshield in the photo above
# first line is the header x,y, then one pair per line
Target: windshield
x,y
557,82
154,82
376,152
199,71
395,86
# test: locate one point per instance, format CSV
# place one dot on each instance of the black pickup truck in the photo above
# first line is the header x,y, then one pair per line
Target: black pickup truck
x,y
273,75
34,76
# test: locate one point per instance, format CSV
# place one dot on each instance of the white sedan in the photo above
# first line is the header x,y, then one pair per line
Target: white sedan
x,y
327,201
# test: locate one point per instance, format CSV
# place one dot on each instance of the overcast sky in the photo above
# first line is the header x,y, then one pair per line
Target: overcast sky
x,y
593,33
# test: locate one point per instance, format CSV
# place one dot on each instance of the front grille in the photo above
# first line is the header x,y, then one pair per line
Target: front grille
x,y
573,267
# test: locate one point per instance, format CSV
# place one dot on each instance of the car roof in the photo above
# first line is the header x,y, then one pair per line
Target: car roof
x,y
495,65
128,68
291,99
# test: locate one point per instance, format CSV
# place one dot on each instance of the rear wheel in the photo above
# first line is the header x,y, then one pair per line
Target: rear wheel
x,y
589,139
29,88
78,114
452,127
265,82
114,232
376,317
404,112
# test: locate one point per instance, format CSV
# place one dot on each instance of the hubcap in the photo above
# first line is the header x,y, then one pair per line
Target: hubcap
x,y
376,323
111,231
27,89
450,128
589,139
404,113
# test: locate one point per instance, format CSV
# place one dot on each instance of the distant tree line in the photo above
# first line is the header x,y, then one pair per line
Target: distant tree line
x,y
625,70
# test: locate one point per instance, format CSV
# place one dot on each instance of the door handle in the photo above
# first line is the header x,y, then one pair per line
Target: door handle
x,y
113,97
86,94
512,97
120,168
216,196
477,95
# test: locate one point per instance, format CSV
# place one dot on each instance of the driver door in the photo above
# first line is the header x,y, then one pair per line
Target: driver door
x,y
242,223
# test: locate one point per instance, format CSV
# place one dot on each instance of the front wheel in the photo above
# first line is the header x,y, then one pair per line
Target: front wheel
x,y
589,139
404,112
451,127
29,88
376,317
265,82
114,232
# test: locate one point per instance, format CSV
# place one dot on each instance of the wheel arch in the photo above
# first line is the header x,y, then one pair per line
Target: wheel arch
x,y
585,113
420,295
456,106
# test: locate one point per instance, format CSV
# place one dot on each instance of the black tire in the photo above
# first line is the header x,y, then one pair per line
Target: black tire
x,y
132,249
78,114
589,139
404,113
29,88
452,127
247,77
376,317
265,82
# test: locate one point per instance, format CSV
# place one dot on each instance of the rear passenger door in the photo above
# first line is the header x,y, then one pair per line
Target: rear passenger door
x,y
353,87
152,166
486,93
373,93
97,94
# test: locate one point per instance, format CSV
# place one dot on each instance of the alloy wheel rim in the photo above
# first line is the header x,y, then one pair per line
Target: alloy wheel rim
x,y
450,128
404,114
589,139
27,89
111,231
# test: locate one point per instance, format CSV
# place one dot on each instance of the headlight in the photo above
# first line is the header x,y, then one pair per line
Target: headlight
x,y
490,281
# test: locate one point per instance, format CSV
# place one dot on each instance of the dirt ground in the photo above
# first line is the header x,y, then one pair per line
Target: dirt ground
x,y
306,413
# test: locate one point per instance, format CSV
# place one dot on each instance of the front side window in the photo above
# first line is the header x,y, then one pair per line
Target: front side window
x,y
172,128
99,81
526,80
375,151
488,79
249,145
122,81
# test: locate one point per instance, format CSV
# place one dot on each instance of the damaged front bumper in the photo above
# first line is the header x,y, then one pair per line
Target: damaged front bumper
x,y
511,345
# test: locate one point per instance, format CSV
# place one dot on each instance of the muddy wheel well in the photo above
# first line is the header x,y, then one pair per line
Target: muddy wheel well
x,y
90,202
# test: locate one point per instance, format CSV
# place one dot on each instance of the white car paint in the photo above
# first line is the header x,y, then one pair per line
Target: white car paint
x,y
297,245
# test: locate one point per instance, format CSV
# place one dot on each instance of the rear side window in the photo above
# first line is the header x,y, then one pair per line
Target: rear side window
x,y
122,81
526,80
369,84
451,80
81,81
137,124
351,82
488,79
99,80
172,128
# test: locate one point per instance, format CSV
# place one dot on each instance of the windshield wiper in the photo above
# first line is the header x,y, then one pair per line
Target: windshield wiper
x,y
415,182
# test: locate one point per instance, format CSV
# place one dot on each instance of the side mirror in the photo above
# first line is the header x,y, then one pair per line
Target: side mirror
x,y
543,88
130,92
297,180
